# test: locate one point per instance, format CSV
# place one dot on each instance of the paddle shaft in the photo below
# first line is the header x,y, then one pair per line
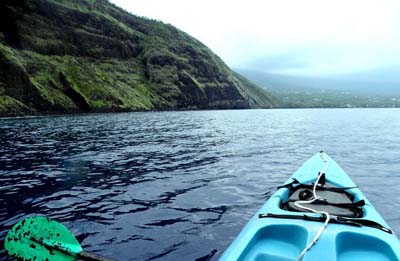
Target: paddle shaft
x,y
81,255
92,257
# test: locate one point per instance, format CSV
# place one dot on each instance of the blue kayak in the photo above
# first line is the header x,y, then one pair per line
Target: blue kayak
x,y
318,214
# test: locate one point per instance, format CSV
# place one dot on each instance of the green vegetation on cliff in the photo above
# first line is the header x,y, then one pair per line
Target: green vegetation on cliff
x,y
65,56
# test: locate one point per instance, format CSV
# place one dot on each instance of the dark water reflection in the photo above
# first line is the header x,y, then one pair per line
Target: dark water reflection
x,y
181,185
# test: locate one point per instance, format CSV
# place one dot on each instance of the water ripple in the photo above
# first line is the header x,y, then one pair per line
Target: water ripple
x,y
181,185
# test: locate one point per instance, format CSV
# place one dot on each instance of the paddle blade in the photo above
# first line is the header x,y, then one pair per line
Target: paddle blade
x,y
40,238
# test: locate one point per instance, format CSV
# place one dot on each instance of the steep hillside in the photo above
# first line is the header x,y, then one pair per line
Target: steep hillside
x,y
65,56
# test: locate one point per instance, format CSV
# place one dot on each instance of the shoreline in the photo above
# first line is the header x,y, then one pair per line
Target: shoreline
x,y
44,115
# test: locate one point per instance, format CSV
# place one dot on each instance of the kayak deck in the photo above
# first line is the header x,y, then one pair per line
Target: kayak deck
x,y
286,240
282,239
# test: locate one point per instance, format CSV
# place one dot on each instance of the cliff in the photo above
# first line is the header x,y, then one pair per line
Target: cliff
x,y
71,56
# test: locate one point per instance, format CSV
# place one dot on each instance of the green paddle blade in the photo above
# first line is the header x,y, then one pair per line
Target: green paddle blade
x,y
40,238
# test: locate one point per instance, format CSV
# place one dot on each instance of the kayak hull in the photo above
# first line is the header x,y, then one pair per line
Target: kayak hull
x,y
284,239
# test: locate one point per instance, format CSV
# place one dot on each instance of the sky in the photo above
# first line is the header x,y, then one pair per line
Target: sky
x,y
300,37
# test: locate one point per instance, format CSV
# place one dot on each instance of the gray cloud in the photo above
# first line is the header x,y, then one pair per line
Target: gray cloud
x,y
309,37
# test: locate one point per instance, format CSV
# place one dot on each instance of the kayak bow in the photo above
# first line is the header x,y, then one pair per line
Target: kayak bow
x,y
290,225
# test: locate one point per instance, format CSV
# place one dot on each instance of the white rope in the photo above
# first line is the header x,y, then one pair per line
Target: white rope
x,y
315,197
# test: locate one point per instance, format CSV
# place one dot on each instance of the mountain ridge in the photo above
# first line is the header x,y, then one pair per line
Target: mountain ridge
x,y
92,56
323,92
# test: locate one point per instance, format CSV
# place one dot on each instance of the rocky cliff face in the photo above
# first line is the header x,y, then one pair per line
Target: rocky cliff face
x,y
66,56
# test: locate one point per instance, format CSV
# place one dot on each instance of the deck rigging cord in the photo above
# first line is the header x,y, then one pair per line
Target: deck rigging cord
x,y
313,199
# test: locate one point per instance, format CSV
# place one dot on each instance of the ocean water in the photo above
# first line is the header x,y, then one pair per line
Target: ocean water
x,y
181,185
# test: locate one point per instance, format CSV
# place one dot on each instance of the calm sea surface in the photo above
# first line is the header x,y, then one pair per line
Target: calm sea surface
x,y
181,185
